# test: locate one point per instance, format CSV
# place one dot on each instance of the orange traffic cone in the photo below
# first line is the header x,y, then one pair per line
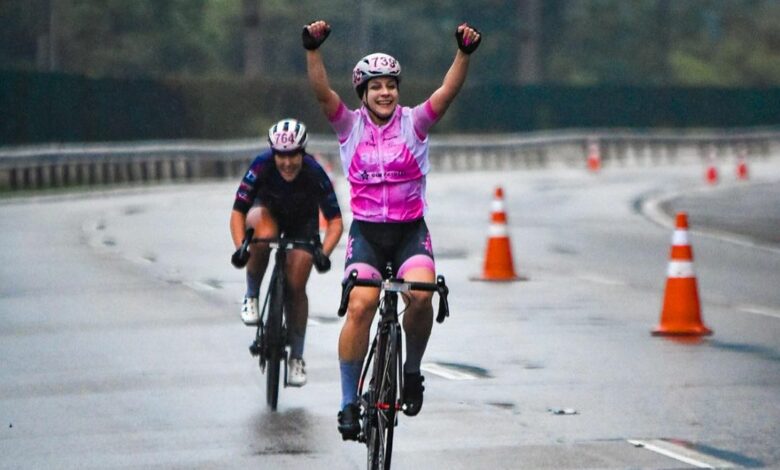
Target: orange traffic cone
x,y
742,168
681,314
594,156
498,264
711,173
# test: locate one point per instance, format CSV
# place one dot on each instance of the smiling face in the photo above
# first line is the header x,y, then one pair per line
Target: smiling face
x,y
289,165
381,98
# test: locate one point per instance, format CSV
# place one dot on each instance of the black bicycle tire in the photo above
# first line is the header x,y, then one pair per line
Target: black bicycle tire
x,y
380,449
372,431
275,342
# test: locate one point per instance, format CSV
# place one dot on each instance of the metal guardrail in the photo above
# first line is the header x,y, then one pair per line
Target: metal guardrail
x,y
49,166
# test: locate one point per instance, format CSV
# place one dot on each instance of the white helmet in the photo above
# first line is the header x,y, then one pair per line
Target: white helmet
x,y
288,136
372,66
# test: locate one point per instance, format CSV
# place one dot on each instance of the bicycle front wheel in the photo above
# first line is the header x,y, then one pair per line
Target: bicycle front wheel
x,y
384,400
275,342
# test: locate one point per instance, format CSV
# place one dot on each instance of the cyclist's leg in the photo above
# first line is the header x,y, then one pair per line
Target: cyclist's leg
x,y
354,337
418,319
299,263
262,220
415,260
265,225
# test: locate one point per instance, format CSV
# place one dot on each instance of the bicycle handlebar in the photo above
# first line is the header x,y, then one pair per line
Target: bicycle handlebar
x,y
240,258
397,285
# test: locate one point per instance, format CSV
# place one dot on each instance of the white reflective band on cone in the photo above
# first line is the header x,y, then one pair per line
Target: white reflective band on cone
x,y
680,238
497,205
680,269
497,230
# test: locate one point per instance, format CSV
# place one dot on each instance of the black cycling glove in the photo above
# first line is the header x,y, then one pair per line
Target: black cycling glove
x,y
471,46
240,258
321,261
310,42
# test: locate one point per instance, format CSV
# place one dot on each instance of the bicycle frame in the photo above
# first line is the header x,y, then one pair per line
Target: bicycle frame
x,y
271,342
381,402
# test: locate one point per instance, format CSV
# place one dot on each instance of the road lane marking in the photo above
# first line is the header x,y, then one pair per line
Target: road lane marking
x,y
755,309
681,453
600,279
450,373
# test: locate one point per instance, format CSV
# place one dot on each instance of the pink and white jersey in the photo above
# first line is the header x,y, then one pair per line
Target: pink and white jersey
x,y
386,166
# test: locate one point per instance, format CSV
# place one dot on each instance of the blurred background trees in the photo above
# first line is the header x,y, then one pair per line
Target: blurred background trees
x,y
226,68
637,42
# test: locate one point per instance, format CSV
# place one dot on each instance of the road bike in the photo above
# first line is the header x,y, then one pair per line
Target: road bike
x,y
382,374
271,345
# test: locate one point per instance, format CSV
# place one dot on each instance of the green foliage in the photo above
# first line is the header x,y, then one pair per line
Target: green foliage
x,y
641,42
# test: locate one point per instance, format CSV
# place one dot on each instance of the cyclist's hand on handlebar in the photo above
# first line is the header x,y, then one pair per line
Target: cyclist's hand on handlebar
x,y
468,38
314,34
240,258
321,261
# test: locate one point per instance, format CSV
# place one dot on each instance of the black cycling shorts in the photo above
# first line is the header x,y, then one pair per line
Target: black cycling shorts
x,y
307,228
371,245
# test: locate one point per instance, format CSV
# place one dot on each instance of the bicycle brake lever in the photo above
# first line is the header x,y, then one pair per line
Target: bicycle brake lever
x,y
349,283
444,307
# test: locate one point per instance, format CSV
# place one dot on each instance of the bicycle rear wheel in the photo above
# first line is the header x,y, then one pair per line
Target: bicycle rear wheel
x,y
383,400
274,341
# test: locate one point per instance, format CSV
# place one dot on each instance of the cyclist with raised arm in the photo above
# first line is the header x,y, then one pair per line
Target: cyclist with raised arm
x,y
281,192
384,154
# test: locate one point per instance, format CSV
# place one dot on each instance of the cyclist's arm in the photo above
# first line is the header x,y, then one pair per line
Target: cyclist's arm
x,y
245,197
333,233
453,81
328,99
237,227
441,99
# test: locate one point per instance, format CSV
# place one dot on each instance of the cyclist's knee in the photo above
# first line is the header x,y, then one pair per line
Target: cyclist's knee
x,y
361,307
420,301
296,286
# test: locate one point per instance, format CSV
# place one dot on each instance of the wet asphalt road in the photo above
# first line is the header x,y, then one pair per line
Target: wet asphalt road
x,y
121,344
751,212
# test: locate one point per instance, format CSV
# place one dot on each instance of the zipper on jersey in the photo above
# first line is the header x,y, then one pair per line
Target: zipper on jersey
x,y
380,157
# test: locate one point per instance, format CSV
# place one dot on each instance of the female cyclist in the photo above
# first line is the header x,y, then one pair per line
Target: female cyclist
x,y
281,193
384,154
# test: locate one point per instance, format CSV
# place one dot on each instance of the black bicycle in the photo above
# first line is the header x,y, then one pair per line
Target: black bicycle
x,y
380,403
271,342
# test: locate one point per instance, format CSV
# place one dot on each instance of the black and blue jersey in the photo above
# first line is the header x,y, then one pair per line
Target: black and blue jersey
x,y
294,202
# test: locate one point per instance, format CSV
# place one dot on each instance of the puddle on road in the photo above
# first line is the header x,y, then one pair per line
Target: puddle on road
x,y
133,210
762,352
502,405
213,283
562,250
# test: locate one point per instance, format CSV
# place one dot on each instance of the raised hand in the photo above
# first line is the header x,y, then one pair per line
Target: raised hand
x,y
314,34
468,38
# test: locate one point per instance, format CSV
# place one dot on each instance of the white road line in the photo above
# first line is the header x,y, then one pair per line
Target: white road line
x,y
600,279
200,286
754,309
651,208
681,453
450,373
